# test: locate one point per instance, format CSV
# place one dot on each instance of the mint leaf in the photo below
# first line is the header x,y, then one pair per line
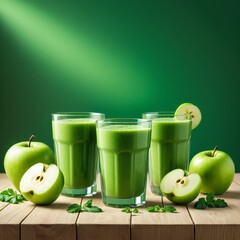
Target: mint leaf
x,y
201,204
135,210
88,203
210,197
74,208
170,209
93,209
157,208
126,210
87,207
129,210
220,203
11,196
210,202
151,209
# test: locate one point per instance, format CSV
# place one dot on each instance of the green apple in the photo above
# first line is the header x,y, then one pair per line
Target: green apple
x,y
194,111
181,187
23,155
216,169
42,183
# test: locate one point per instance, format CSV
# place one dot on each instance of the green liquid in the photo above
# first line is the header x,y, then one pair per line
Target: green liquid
x,y
170,147
76,151
123,160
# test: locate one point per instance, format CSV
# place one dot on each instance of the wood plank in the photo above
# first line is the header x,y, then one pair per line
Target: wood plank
x,y
28,221
237,178
4,181
11,217
149,226
219,223
107,225
4,184
51,222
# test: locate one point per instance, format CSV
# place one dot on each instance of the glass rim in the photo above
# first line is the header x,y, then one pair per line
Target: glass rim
x,y
123,120
164,114
77,114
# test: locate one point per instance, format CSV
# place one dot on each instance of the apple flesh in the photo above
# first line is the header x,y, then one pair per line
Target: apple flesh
x,y
216,169
180,187
21,156
194,111
42,183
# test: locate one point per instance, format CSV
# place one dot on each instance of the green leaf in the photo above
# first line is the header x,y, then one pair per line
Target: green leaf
x,y
13,200
210,202
74,208
210,197
93,209
11,196
126,210
157,208
170,209
87,207
88,203
150,209
201,204
11,192
220,203
135,210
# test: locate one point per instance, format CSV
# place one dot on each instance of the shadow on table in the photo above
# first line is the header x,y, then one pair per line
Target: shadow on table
x,y
230,194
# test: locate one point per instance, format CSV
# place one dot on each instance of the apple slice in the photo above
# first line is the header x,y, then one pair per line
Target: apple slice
x,y
189,108
180,187
42,183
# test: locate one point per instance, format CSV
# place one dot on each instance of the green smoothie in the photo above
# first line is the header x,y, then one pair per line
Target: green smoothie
x,y
76,153
123,159
170,145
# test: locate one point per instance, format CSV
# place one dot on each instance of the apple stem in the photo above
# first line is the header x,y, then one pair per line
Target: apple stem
x,y
30,140
214,150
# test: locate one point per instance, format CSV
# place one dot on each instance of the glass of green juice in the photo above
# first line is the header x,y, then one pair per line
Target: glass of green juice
x,y
123,148
74,135
170,145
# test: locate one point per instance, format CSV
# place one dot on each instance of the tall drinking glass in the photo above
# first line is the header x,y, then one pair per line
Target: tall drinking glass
x,y
74,136
170,145
124,147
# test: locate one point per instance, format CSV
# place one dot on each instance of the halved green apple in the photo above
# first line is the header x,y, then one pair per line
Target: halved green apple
x,y
42,183
194,111
181,187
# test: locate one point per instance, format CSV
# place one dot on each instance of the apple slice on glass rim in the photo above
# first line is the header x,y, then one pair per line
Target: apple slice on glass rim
x,y
42,183
194,111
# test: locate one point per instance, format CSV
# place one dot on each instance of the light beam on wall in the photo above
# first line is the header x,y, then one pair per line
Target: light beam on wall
x,y
81,58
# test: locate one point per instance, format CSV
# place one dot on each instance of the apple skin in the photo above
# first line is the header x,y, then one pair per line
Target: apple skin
x,y
48,197
216,170
20,157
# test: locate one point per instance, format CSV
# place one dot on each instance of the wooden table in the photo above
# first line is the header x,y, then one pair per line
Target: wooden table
x,y
28,221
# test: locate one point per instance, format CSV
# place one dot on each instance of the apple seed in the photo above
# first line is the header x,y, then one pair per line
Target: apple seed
x,y
39,178
181,181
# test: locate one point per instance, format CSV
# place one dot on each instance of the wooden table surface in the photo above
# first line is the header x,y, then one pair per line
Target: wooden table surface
x,y
28,221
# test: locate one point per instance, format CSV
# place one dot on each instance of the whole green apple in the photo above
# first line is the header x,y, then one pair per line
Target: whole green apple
x,y
216,169
42,183
21,156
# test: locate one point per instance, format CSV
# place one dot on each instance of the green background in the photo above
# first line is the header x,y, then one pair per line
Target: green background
x,y
121,58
